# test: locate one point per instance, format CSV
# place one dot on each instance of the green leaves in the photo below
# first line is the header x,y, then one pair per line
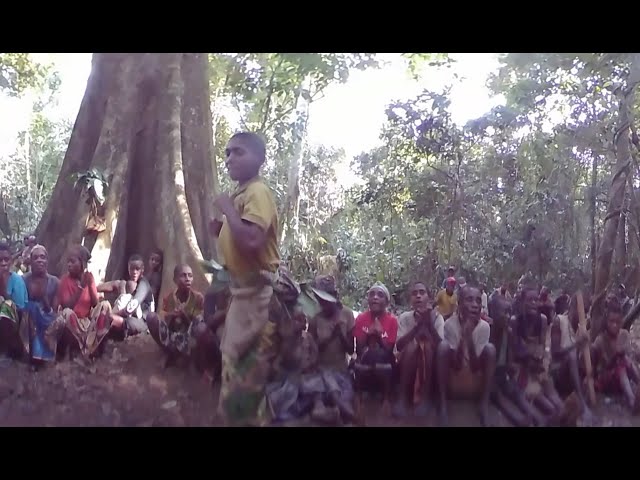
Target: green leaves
x,y
19,72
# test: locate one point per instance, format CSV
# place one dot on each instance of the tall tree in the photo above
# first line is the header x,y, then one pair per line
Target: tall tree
x,y
145,124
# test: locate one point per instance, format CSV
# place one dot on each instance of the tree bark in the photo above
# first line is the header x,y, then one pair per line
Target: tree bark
x,y
592,213
145,122
291,208
616,193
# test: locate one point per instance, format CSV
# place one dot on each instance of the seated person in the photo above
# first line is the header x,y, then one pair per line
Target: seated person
x,y
13,298
466,360
567,340
332,330
22,259
547,307
182,310
615,371
447,299
155,272
420,331
134,302
530,359
37,329
86,319
297,385
508,397
207,355
375,332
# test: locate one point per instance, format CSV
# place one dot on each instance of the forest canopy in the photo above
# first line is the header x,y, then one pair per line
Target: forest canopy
x,y
543,184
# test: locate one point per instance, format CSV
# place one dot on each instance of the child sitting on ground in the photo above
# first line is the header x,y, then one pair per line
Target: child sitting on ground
x,y
614,369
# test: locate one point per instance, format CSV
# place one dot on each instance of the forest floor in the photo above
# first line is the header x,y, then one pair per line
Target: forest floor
x,y
128,386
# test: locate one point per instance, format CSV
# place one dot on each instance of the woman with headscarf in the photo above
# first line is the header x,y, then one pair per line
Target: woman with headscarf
x,y
39,314
81,313
13,298
375,332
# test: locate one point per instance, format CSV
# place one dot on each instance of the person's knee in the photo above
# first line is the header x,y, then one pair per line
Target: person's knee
x,y
153,322
200,332
489,352
138,325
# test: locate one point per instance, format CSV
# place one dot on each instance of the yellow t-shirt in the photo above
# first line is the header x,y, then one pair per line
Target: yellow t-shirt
x,y
254,202
446,304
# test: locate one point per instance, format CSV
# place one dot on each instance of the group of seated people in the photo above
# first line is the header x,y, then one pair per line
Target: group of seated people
x,y
43,318
524,352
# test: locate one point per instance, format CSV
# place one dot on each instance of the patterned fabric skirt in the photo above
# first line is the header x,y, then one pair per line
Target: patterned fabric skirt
x,y
9,325
38,332
608,380
181,341
87,332
294,396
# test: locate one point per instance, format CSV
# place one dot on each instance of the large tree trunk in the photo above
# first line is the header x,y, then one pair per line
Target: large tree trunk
x,y
616,194
145,122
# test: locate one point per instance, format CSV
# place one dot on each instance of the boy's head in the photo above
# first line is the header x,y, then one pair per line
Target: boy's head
x,y
5,257
183,277
245,154
613,317
135,267
155,260
419,295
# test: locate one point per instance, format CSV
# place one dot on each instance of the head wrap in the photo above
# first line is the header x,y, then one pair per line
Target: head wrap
x,y
381,287
38,247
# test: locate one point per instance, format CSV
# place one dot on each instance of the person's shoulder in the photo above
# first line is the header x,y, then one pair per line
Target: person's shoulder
x,y
198,296
346,313
483,325
169,296
258,188
363,317
390,317
452,320
624,335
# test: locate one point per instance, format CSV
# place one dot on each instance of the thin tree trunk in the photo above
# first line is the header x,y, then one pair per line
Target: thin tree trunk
x,y
292,200
592,213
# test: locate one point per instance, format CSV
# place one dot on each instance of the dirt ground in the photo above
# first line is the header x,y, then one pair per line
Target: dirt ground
x,y
128,386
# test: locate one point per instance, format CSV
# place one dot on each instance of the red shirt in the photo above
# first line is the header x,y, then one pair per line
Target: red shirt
x,y
389,327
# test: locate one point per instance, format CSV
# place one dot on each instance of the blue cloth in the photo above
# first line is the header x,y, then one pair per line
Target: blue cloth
x,y
17,290
40,321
